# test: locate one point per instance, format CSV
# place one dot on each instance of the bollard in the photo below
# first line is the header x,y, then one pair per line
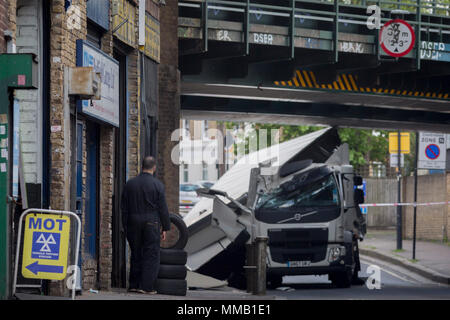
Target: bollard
x,y
260,251
250,268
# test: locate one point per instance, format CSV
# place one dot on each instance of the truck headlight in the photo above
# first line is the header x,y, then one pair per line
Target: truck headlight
x,y
336,253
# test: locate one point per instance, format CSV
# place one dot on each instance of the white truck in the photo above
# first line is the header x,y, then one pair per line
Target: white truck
x,y
302,194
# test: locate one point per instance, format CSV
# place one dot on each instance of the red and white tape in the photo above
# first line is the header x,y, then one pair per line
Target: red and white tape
x,y
395,204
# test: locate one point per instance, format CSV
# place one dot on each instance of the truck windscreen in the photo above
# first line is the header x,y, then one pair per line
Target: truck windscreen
x,y
319,193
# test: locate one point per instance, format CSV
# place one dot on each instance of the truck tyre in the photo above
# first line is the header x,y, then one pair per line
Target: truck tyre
x,y
355,279
173,256
167,271
174,287
177,236
274,282
342,279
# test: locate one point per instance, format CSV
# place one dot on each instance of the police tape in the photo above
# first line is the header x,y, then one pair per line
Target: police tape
x,y
399,204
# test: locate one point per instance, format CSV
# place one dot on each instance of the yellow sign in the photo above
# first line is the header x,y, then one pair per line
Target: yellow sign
x,y
46,246
152,37
125,21
404,142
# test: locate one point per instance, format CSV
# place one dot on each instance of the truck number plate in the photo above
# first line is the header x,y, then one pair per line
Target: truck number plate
x,y
293,264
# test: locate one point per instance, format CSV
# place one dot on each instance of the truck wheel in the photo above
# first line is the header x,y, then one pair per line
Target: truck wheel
x,y
274,282
173,256
177,236
174,287
342,279
167,271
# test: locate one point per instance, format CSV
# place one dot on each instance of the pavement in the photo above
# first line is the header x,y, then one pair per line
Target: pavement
x,y
432,257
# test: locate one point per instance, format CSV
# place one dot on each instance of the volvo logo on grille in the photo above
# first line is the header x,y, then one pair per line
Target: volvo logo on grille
x,y
297,217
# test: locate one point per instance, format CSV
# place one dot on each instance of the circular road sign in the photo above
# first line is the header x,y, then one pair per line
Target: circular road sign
x,y
432,151
397,38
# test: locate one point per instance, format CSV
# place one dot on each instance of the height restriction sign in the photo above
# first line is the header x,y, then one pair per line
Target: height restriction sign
x,y
432,150
46,246
397,38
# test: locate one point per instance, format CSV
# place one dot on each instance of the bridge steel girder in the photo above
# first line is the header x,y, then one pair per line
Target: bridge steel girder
x,y
258,103
297,113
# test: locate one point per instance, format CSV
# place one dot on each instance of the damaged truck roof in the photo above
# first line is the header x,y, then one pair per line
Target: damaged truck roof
x,y
317,146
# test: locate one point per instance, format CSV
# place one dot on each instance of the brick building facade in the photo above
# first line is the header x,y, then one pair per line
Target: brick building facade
x,y
76,160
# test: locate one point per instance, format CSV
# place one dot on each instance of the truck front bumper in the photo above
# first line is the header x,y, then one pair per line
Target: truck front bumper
x,y
298,271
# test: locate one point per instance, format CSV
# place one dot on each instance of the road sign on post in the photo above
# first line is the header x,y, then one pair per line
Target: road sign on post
x,y
404,142
393,160
432,151
397,38
46,246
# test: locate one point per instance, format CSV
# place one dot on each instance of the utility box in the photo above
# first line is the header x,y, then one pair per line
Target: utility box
x,y
85,83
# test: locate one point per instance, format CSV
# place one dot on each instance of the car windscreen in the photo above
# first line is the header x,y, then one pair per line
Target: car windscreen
x,y
189,187
319,193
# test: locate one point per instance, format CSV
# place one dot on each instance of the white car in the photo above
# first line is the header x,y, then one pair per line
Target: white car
x,y
188,196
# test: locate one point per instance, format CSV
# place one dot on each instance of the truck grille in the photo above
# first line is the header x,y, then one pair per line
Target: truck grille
x,y
298,244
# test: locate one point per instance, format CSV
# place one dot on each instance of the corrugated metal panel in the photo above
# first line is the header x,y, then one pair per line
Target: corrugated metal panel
x,y
98,12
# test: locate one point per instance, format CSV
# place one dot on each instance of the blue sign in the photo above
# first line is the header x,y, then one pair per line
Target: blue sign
x,y
45,245
107,108
437,51
432,151
364,188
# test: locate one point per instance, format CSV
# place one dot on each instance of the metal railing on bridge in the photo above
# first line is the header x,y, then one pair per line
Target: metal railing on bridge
x,y
431,17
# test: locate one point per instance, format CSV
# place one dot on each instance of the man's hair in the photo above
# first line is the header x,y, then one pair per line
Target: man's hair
x,y
148,163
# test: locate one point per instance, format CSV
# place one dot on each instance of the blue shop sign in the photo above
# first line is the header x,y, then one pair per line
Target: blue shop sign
x,y
107,108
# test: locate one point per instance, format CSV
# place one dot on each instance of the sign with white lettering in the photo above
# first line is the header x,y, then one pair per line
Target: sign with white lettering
x,y
107,108
432,151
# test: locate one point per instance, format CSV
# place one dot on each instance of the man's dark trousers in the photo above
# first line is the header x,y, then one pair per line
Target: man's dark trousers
x,y
143,235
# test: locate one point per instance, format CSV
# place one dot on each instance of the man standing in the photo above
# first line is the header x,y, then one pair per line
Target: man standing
x,y
144,210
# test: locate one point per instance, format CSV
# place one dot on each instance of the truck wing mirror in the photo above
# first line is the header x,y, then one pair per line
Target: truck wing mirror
x,y
210,193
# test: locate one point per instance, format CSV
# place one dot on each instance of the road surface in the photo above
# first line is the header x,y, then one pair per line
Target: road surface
x,y
396,283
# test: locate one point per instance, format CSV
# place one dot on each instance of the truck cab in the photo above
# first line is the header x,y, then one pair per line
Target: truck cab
x,y
305,201
313,224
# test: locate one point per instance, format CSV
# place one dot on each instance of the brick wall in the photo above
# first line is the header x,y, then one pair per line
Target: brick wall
x,y
4,21
432,221
62,55
106,205
169,102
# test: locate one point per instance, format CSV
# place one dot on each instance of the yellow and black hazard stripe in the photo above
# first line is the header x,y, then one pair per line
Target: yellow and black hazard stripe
x,y
348,82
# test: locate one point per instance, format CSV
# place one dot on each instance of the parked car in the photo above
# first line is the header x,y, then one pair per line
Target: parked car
x,y
205,183
188,196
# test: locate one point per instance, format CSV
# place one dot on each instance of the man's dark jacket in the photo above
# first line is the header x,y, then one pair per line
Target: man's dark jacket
x,y
144,195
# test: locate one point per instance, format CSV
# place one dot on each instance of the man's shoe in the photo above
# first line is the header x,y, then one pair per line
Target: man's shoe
x,y
147,292
133,290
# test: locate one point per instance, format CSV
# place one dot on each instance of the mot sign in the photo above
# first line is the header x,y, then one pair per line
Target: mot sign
x,y
432,150
397,38
46,246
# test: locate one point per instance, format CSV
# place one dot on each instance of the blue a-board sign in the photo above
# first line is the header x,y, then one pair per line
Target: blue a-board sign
x,y
107,108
